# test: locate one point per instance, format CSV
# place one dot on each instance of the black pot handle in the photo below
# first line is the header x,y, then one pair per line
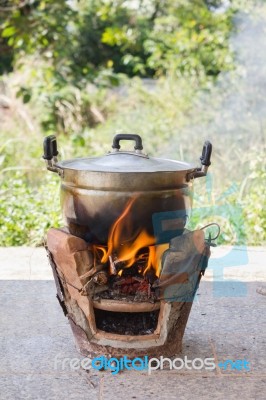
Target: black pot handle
x,y
205,160
49,147
206,154
124,136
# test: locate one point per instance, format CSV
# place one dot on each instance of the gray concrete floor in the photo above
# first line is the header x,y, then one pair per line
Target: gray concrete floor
x,y
228,321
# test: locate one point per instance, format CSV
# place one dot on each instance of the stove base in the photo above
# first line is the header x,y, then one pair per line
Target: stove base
x,y
171,347
71,259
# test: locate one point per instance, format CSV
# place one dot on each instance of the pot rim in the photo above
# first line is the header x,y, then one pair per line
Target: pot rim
x,y
126,163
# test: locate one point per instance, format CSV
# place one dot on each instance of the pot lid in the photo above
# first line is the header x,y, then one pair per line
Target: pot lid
x,y
125,161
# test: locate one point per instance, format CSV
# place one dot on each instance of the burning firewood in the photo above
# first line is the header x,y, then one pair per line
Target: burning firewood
x,y
128,281
93,271
101,278
112,265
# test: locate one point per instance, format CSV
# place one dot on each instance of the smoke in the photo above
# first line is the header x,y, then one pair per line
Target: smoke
x,y
232,113
243,107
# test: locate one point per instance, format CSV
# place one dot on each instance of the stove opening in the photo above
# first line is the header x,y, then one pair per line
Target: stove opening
x,y
126,323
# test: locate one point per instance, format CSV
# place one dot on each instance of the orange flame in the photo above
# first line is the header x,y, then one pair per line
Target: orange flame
x,y
127,250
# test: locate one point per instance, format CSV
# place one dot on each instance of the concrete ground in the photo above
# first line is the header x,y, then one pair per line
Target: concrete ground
x,y
228,321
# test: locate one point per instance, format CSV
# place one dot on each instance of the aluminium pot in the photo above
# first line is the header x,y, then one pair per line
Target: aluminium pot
x,y
157,193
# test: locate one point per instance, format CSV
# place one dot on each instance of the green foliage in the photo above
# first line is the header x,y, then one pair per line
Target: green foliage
x,y
192,39
79,38
27,211
64,46
224,210
253,195
239,209
6,57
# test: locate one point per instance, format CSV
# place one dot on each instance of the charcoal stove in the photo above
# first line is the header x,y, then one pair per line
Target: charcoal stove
x,y
126,278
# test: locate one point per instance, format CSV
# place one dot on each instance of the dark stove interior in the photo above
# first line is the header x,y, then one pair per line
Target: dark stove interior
x,y
126,323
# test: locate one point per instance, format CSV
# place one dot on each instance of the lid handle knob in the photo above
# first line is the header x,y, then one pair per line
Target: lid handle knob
x,y
124,136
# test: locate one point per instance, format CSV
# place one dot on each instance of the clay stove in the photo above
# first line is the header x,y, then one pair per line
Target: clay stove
x,y
116,309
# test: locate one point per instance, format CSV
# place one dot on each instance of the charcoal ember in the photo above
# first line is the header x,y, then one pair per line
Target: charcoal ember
x,y
142,296
132,285
125,289
144,287
138,291
124,281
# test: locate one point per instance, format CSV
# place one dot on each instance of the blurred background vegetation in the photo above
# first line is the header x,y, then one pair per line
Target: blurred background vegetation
x,y
177,72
